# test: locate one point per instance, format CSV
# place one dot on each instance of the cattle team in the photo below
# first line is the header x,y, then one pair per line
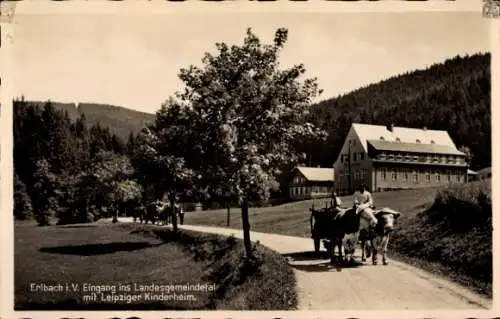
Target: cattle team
x,y
158,212
343,228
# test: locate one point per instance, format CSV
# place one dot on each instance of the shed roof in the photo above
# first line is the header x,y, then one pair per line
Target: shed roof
x,y
317,174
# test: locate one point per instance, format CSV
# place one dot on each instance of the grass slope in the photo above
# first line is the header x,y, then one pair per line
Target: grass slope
x,y
293,218
138,254
453,237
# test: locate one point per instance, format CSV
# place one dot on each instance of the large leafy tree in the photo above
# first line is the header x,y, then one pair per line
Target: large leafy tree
x,y
249,114
168,154
112,174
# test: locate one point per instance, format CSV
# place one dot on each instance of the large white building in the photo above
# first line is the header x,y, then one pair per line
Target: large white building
x,y
384,158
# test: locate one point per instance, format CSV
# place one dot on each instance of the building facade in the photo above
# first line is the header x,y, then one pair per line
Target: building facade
x,y
389,158
311,182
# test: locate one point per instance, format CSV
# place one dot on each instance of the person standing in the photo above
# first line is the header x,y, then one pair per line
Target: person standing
x,y
181,215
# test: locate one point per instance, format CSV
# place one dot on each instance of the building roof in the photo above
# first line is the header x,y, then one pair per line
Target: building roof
x,y
413,147
367,132
485,170
317,174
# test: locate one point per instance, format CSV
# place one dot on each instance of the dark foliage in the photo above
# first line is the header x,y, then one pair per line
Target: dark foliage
x,y
22,201
53,160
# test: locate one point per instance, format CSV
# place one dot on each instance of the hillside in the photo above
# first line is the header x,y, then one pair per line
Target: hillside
x,y
120,120
453,96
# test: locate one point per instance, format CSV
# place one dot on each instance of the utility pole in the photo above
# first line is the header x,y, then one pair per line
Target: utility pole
x,y
349,168
332,191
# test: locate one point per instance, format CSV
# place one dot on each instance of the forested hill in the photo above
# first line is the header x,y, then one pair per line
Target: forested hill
x,y
121,121
453,96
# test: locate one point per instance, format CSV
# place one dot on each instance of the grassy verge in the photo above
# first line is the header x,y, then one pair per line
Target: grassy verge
x,y
452,236
128,254
293,218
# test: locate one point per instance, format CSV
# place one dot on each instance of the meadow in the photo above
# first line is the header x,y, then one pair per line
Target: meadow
x,y
131,254
293,218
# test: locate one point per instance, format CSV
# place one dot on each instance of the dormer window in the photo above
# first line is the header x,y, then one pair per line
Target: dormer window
x,y
398,139
382,138
418,141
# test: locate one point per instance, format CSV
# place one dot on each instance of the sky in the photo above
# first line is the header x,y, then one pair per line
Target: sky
x,y
133,60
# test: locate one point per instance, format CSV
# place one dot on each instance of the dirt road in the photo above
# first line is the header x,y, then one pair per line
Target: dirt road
x,y
397,286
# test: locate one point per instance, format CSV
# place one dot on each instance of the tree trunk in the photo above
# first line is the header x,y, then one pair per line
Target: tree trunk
x,y
246,227
228,207
174,213
114,211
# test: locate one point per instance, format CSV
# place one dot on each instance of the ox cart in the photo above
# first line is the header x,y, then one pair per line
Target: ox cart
x,y
320,222
330,227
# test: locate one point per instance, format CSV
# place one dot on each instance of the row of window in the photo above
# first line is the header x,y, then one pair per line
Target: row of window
x,y
299,180
357,174
356,156
303,190
425,158
404,174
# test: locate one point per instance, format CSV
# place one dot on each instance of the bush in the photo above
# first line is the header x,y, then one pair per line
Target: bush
x,y
456,204
456,231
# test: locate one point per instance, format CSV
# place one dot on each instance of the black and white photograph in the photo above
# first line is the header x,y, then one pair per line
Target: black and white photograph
x,y
252,161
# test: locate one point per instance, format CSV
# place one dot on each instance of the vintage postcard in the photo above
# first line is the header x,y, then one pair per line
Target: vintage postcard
x,y
329,160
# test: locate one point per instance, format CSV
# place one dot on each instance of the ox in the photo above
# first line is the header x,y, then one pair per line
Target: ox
x,y
346,226
165,214
139,211
152,212
377,237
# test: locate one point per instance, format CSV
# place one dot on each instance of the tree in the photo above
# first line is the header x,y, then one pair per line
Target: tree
x,y
468,154
249,115
44,196
166,154
468,159
22,201
112,174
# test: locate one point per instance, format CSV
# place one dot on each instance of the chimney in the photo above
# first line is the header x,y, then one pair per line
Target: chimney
x,y
425,128
391,127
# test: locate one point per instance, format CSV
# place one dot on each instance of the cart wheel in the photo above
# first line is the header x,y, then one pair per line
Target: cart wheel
x,y
316,245
329,250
